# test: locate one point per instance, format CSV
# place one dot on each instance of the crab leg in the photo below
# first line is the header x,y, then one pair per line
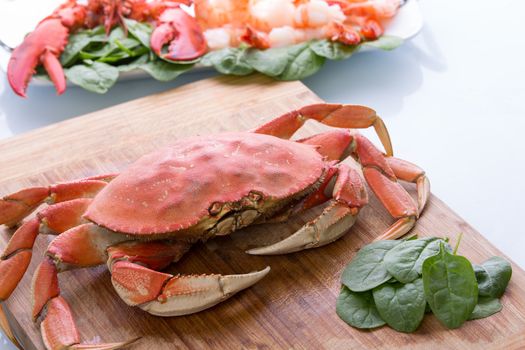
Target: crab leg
x,y
80,246
344,183
383,181
132,265
16,206
16,257
349,196
341,116
381,173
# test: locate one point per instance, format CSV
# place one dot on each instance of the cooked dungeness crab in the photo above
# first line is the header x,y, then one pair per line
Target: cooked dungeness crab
x,y
148,216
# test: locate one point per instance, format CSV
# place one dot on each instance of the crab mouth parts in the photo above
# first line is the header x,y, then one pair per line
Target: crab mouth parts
x,y
247,211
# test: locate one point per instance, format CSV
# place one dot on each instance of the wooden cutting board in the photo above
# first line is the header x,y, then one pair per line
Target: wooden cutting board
x,y
294,306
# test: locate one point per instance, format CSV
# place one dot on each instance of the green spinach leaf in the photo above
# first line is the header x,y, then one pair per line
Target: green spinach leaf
x,y
302,62
493,276
140,31
228,61
98,77
450,287
405,261
333,50
164,71
271,62
368,270
78,42
385,42
486,307
402,306
358,309
133,64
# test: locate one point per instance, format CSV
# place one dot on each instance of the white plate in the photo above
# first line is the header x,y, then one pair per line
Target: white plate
x,y
13,27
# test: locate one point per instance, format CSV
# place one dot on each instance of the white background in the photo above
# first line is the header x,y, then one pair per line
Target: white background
x,y
453,99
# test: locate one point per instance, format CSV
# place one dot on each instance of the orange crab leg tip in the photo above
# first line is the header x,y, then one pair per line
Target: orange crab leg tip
x,y
384,136
45,285
398,229
12,270
423,192
58,327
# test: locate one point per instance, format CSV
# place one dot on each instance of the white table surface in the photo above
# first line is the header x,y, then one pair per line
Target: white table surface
x,y
452,98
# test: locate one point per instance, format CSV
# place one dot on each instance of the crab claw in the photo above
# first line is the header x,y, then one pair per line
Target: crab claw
x,y
333,223
187,294
42,46
181,32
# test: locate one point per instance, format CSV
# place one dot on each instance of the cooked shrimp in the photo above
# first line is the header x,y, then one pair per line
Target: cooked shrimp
x,y
376,9
218,13
276,23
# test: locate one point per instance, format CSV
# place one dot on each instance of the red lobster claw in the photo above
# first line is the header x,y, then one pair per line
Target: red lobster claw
x,y
182,32
43,46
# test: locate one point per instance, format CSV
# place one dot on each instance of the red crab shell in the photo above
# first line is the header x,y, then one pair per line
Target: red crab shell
x,y
172,189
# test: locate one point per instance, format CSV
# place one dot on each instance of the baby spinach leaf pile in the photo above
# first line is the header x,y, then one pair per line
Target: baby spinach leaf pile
x,y
288,63
397,282
94,60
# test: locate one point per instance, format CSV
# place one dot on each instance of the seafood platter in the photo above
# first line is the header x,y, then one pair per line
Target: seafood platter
x,y
95,43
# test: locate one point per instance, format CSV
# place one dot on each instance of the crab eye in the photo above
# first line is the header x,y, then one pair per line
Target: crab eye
x,y
215,208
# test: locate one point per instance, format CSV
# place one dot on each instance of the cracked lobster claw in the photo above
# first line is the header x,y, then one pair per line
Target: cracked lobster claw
x,y
181,33
187,294
42,46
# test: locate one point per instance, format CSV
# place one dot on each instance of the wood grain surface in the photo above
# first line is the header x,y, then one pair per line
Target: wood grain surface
x,y
294,306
